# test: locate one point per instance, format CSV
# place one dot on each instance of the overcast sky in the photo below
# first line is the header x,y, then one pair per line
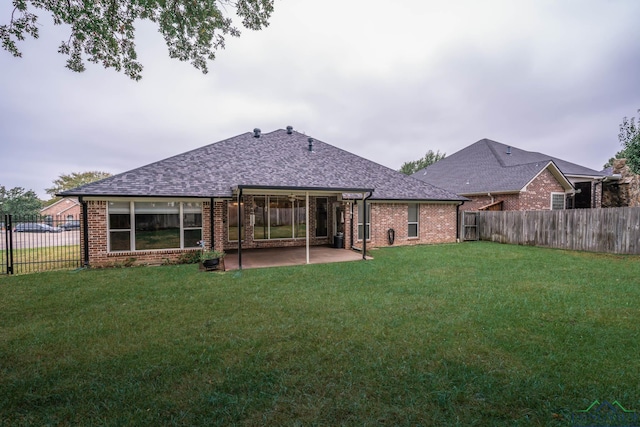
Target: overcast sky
x,y
384,80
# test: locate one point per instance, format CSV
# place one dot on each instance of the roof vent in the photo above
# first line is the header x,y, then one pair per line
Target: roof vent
x,y
310,144
289,130
509,150
256,133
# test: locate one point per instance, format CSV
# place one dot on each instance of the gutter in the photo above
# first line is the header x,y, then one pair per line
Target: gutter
x,y
364,227
239,229
211,224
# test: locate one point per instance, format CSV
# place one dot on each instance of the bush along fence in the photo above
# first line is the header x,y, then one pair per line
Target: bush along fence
x,y
610,230
38,243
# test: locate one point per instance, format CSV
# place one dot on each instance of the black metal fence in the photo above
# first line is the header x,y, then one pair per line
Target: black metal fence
x,y
38,243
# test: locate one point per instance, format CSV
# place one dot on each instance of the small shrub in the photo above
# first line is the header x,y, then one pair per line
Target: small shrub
x,y
189,258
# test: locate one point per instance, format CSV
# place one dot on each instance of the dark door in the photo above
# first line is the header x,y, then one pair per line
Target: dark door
x,y
583,196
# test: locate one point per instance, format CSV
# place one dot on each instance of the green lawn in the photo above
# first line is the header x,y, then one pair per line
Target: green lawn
x,y
465,334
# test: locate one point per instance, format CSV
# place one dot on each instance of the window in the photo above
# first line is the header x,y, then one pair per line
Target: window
x,y
322,218
360,223
120,226
413,220
191,224
279,217
138,226
557,201
157,225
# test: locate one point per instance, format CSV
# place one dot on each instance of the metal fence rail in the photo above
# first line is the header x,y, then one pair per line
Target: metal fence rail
x,y
35,243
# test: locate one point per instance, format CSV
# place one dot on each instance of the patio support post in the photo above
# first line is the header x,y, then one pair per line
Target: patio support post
x,y
239,230
307,222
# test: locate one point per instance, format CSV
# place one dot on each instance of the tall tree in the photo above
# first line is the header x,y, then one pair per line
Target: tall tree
x,y
73,180
19,202
409,168
104,31
629,137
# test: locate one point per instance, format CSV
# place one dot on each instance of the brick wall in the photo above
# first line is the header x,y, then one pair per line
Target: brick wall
x,y
98,249
436,224
537,196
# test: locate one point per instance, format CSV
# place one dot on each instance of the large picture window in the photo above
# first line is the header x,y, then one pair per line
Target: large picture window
x,y
139,226
413,220
279,217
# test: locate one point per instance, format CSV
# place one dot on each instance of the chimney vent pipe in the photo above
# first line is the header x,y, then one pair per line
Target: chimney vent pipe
x,y
310,144
509,150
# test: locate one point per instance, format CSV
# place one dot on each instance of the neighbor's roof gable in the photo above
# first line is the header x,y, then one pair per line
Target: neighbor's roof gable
x,y
491,167
275,159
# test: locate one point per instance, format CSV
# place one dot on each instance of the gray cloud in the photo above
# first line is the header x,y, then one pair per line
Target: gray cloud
x,y
387,82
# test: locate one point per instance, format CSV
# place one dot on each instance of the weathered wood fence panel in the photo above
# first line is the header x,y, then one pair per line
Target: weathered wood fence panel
x,y
612,230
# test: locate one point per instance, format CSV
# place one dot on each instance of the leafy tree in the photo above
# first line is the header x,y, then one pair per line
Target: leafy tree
x,y
409,168
19,202
629,137
104,30
73,180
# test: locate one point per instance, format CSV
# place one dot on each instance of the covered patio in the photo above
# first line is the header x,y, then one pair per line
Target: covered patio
x,y
277,257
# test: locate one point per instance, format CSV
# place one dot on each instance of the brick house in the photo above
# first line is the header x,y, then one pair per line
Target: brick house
x,y
496,176
258,190
65,209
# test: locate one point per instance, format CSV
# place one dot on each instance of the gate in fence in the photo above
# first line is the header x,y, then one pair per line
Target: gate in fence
x,y
470,223
36,243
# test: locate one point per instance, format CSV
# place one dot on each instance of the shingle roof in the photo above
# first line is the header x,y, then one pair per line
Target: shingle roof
x,y
486,166
276,159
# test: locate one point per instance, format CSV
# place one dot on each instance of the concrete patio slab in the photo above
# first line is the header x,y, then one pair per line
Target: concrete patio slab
x,y
275,257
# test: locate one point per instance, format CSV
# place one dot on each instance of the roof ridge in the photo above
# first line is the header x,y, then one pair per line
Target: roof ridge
x,y
493,151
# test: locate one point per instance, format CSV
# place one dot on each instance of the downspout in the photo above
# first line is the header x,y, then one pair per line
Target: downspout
x,y
364,225
85,230
351,232
239,230
212,225
458,219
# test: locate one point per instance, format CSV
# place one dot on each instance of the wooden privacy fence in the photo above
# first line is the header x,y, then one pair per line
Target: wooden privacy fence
x,y
612,230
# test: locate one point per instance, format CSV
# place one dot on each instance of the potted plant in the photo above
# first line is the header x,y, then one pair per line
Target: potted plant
x,y
210,258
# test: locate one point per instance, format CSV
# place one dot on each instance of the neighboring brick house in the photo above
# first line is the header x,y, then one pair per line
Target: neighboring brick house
x,y
496,176
65,209
279,189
